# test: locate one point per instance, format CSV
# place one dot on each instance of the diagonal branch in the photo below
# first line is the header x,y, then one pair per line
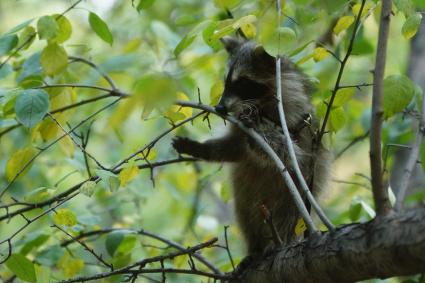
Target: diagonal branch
x,y
288,141
270,152
412,161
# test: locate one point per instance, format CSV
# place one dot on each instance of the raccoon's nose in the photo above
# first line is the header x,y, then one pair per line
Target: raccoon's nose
x,y
221,109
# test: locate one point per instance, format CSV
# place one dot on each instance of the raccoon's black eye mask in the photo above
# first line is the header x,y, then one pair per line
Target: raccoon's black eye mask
x,y
245,88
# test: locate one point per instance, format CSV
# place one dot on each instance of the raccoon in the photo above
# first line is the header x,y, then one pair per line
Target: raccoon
x,y
250,95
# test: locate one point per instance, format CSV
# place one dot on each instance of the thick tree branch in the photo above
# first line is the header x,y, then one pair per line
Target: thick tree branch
x,y
392,246
380,192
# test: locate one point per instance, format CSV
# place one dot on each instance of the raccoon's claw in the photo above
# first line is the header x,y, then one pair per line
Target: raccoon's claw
x,y
246,121
183,145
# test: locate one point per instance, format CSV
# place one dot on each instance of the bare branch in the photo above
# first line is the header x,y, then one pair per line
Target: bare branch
x,y
288,141
412,161
87,248
144,233
95,67
380,192
142,263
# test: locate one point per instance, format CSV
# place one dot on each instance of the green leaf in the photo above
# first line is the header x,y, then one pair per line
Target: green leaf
x,y
54,59
30,69
18,161
109,180
398,92
19,26
113,240
127,245
100,28
65,216
155,90
355,210
88,188
184,43
22,267
31,106
65,28
343,96
337,119
43,274
7,43
226,4
411,26
47,27
33,242
405,6
216,92
343,23
27,37
144,4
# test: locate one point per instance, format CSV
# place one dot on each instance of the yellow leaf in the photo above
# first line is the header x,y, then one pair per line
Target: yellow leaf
x,y
64,216
67,146
128,174
18,161
216,92
304,59
249,30
151,154
343,24
70,266
411,26
300,227
320,53
366,8
48,129
177,113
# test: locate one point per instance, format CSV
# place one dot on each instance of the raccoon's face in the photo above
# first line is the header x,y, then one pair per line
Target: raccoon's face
x,y
250,81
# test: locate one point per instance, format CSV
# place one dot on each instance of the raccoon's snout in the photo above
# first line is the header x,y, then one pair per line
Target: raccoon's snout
x,y
221,109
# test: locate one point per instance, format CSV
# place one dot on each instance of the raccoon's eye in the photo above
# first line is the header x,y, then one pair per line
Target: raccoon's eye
x,y
245,88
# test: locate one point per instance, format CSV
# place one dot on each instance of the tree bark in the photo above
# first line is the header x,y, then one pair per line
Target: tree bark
x,y
393,245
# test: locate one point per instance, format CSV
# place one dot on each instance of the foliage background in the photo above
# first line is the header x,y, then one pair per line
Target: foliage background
x,y
190,202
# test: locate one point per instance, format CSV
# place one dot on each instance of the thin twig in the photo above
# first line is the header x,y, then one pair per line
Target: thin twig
x,y
353,142
87,248
142,263
411,162
95,67
143,232
340,73
64,194
229,254
380,193
53,143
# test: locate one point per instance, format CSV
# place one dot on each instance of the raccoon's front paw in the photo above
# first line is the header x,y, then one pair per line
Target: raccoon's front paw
x,y
184,145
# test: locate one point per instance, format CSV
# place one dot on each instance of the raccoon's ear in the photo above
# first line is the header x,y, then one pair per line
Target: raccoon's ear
x,y
230,43
261,53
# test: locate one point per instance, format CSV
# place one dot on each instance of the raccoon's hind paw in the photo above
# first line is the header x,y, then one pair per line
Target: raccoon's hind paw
x,y
183,145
